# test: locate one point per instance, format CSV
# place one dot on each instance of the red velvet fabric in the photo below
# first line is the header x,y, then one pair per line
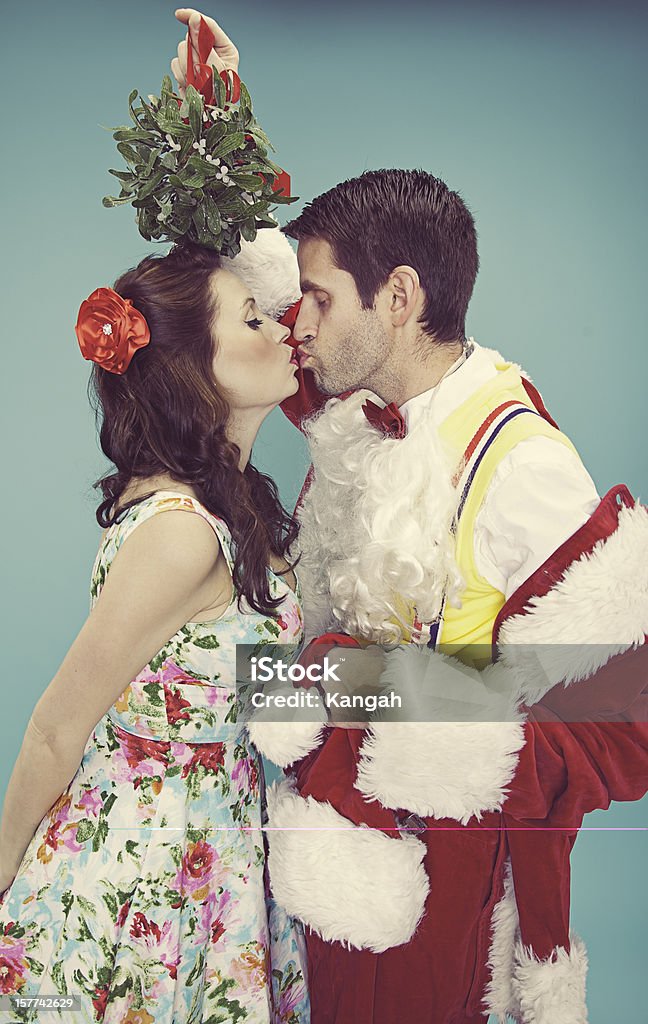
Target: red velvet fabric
x,y
436,978
566,768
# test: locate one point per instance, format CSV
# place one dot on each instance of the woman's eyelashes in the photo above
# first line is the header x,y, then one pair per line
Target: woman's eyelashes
x,y
254,324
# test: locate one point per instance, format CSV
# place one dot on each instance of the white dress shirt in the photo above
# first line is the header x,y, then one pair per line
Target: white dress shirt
x,y
540,493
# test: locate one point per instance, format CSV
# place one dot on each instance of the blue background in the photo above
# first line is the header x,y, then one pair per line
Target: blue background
x,y
536,113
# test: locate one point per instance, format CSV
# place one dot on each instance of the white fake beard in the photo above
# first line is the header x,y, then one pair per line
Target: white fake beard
x,y
374,523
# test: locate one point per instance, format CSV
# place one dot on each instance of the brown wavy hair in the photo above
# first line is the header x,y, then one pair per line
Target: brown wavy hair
x,y
166,414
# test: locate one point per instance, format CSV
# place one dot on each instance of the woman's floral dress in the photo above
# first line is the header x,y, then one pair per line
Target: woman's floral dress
x,y
144,888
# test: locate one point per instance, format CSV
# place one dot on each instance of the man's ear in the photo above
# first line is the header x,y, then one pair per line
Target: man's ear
x,y
402,295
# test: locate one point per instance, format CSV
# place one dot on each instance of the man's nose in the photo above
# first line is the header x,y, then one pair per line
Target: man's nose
x,y
304,328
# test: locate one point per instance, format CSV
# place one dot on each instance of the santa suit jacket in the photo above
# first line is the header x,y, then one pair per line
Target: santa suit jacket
x,y
471,916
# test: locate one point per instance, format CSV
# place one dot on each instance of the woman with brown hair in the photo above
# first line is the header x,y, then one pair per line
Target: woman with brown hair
x,y
131,851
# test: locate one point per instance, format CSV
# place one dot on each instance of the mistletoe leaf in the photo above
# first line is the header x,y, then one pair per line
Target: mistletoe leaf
x,y
248,230
150,186
214,134
220,91
195,110
109,201
249,182
167,85
229,144
133,135
128,153
125,176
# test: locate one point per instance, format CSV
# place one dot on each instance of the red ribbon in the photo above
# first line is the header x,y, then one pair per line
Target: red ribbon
x,y
282,183
200,76
388,420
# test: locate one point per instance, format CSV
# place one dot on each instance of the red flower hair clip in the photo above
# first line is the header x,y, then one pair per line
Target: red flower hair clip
x,y
110,330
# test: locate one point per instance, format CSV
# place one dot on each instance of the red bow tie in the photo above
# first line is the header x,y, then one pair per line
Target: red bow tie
x,y
387,420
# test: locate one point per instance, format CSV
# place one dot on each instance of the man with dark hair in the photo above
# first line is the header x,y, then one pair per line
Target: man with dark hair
x,y
389,218
389,242
429,859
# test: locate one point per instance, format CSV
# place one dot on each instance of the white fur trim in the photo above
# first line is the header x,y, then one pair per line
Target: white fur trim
x,y
268,265
498,998
350,884
457,748
529,990
597,610
285,742
551,991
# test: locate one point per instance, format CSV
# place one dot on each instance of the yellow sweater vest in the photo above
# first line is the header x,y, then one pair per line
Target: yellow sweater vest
x,y
466,632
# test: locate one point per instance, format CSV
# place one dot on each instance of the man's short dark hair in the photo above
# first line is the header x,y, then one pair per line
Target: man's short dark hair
x,y
388,218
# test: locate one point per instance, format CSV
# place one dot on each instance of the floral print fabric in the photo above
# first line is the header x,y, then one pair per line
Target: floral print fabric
x,y
144,888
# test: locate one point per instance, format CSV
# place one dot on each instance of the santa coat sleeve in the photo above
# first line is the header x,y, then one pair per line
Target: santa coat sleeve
x,y
577,631
567,693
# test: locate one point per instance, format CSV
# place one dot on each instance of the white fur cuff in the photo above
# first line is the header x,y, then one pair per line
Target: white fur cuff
x,y
268,265
551,991
285,742
529,990
456,749
350,884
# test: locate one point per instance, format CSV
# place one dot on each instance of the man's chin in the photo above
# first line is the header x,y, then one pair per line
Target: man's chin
x,y
325,385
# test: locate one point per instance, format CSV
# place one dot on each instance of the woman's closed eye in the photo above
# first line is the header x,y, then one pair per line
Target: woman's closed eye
x,y
254,324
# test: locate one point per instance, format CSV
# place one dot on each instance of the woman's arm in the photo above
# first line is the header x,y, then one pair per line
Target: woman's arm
x,y
166,572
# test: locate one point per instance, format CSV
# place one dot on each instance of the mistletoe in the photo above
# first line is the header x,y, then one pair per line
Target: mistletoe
x,y
198,170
